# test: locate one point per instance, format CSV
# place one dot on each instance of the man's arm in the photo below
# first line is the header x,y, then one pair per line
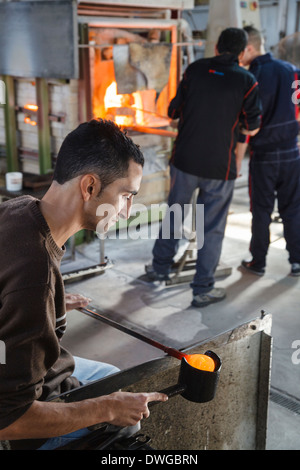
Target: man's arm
x,y
250,118
241,147
250,133
22,414
175,106
51,419
240,151
250,121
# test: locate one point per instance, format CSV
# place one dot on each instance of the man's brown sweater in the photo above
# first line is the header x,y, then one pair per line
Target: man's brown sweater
x,y
32,311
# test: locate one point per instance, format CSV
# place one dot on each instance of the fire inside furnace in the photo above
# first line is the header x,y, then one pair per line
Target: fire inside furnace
x,y
117,96
135,109
28,118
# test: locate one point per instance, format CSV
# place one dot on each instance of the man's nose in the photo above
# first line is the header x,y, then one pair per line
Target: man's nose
x,y
126,209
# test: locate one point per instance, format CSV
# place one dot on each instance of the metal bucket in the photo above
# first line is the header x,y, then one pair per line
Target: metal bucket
x,y
199,385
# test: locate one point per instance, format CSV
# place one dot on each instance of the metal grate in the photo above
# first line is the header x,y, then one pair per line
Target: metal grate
x,y
287,401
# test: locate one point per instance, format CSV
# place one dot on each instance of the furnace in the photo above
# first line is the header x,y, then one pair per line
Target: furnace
x,y
132,76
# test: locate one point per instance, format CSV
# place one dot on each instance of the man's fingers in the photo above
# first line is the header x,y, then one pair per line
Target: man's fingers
x,y
153,397
74,301
156,396
129,408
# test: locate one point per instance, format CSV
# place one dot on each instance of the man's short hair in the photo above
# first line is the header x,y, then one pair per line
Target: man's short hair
x,y
233,41
254,37
99,147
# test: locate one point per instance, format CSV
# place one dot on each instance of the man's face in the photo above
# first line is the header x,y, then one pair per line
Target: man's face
x,y
115,200
247,56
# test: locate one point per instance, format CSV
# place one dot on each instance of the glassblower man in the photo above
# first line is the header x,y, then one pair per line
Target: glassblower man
x,y
97,164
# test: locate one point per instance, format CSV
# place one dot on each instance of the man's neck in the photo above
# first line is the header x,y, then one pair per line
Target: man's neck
x,y
259,53
59,210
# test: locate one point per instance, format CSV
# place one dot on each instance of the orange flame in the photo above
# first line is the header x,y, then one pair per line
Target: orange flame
x,y
27,120
31,107
114,100
130,110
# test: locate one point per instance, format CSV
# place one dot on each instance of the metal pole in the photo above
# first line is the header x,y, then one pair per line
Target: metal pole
x,y
85,95
99,316
42,98
10,125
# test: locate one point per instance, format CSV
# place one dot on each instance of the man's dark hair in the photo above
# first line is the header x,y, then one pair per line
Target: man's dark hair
x,y
99,147
233,41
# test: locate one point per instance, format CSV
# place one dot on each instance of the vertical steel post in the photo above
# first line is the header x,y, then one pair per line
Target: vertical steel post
x,y
85,96
42,99
12,159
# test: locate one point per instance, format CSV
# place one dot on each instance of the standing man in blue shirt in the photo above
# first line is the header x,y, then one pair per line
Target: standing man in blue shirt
x,y
275,160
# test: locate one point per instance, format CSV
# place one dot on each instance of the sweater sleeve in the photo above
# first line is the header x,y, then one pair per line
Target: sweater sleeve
x,y
27,328
252,109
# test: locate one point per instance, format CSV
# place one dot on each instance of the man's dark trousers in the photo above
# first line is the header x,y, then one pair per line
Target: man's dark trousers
x,y
215,196
275,174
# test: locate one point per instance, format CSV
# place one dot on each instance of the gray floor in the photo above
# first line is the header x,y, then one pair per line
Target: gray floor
x,y
164,313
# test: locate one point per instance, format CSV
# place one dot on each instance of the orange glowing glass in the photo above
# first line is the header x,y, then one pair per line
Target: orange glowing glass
x,y
201,361
31,107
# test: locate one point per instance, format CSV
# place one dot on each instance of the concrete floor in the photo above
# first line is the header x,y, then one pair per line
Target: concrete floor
x,y
164,313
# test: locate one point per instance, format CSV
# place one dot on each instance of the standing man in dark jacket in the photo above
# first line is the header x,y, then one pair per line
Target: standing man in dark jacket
x,y
216,100
275,160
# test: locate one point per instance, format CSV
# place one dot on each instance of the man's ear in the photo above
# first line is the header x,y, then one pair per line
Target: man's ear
x,y
90,186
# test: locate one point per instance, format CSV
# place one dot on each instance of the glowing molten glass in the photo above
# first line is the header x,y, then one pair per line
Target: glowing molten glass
x,y
201,361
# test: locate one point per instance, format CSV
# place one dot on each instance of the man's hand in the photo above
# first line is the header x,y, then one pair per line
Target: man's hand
x,y
250,133
127,409
240,151
74,301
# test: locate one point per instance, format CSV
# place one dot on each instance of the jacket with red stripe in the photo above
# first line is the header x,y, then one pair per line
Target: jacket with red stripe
x,y
277,88
213,99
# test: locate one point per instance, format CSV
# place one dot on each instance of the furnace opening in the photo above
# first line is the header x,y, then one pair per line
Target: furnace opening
x,y
131,76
